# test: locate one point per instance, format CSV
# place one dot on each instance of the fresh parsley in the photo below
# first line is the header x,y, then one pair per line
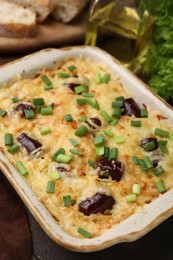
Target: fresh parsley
x,y
158,63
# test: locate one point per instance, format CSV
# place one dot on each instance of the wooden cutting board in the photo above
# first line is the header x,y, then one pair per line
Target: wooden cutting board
x,y
51,33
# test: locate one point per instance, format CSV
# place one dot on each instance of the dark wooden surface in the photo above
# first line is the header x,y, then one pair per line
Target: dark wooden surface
x,y
156,245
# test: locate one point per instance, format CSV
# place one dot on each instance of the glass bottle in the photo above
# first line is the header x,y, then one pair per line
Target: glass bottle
x,y
121,27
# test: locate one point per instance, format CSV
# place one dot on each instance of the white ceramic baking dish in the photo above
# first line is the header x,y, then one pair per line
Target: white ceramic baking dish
x,y
136,225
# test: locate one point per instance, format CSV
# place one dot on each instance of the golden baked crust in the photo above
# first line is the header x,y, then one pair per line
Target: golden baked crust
x,y
80,180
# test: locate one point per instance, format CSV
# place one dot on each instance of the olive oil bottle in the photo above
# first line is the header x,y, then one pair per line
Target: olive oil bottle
x,y
121,27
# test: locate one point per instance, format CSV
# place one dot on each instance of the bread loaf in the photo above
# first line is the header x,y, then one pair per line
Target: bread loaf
x,y
16,21
42,7
66,10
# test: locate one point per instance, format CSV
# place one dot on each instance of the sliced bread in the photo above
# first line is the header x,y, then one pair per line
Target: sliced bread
x,y
42,7
16,21
66,10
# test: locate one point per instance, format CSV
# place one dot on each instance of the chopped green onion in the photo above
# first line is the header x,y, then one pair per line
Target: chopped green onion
x,y
8,139
148,162
136,188
113,153
50,186
114,122
162,142
81,101
73,142
98,78
86,88
131,198
79,89
99,150
97,106
135,123
83,119
161,132
120,98
48,87
106,78
106,116
45,111
135,160
71,67
51,105
2,112
160,186
143,165
158,170
21,168
118,103
84,232
81,131
13,149
93,103
119,139
15,100
59,151
162,145
117,112
38,109
149,146
38,102
144,113
45,131
56,175
63,75
99,140
76,151
88,95
68,118
67,200
92,164
171,136
108,132
105,174
106,152
62,158
46,80
29,114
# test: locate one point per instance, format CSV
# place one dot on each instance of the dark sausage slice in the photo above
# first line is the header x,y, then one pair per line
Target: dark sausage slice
x,y
114,168
22,107
96,121
71,86
97,203
29,143
148,140
131,108
155,163
61,169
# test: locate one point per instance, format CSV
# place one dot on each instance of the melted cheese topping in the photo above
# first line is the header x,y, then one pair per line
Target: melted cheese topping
x,y
81,181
